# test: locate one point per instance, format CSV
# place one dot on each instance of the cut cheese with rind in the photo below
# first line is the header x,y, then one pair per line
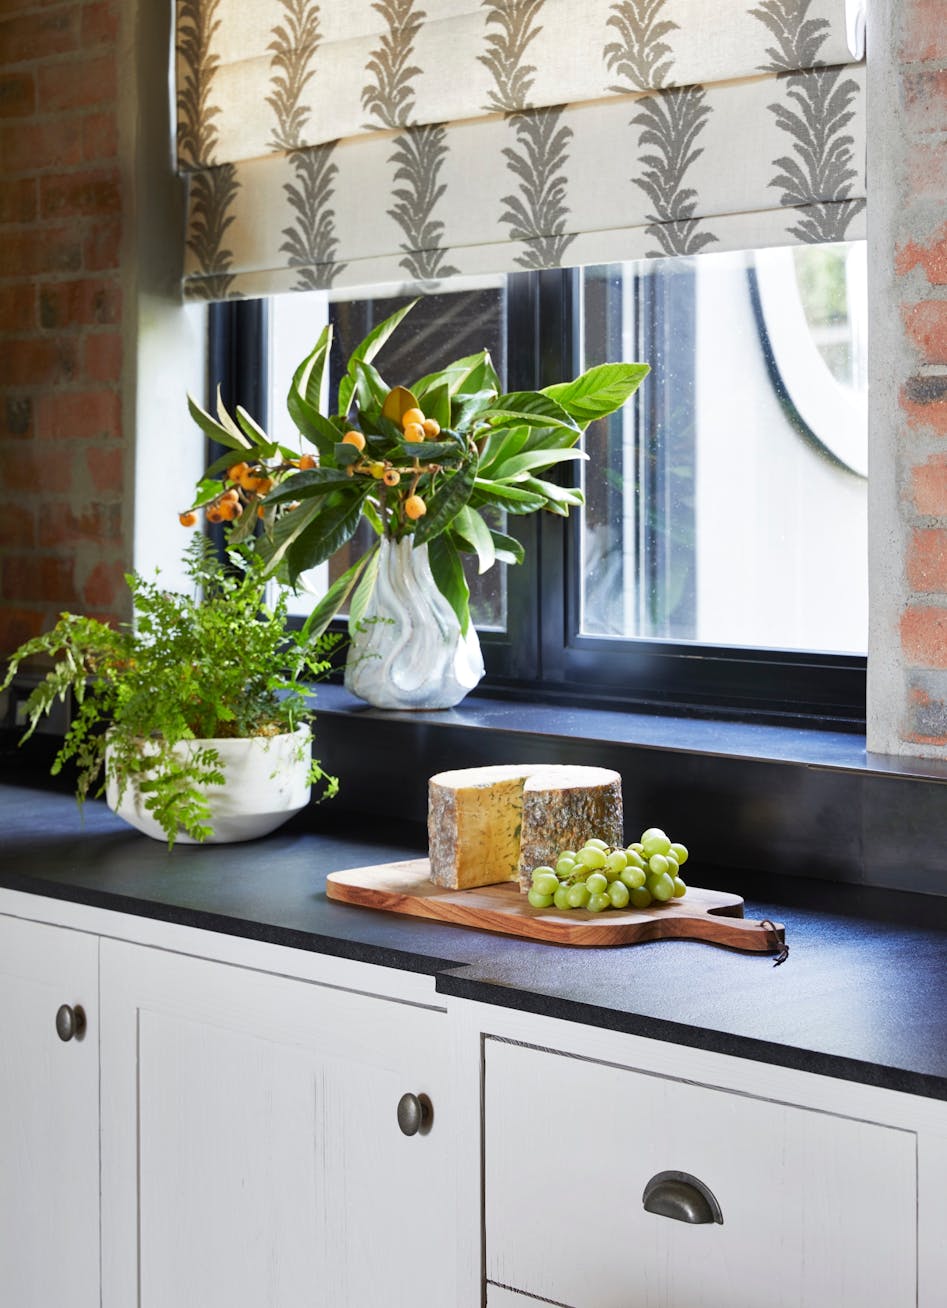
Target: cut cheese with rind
x,y
493,824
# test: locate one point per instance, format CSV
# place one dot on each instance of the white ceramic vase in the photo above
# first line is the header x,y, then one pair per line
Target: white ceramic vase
x,y
408,651
267,781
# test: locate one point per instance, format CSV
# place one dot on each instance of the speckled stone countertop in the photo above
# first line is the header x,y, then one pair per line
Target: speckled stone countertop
x,y
862,995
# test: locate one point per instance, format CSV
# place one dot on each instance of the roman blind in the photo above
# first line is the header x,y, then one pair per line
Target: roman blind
x,y
330,144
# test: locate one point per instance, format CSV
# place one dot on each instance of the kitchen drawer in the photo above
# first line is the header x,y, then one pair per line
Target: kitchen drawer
x,y
817,1209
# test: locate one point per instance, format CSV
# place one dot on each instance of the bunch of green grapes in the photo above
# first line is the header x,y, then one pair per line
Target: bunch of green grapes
x,y
597,876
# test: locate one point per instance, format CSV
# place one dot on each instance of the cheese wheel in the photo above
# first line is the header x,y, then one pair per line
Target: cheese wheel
x,y
492,824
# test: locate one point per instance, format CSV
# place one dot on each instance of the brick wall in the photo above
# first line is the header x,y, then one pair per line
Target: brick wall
x,y
920,292
64,528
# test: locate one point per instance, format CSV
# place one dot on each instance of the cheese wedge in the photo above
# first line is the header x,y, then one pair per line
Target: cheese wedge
x,y
493,824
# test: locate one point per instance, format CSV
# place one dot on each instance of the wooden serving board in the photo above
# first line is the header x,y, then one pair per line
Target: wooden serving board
x,y
700,915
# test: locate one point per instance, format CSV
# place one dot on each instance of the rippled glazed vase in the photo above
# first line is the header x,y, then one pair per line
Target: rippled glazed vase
x,y
408,651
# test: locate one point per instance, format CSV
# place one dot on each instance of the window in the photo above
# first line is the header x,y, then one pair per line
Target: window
x,y
720,563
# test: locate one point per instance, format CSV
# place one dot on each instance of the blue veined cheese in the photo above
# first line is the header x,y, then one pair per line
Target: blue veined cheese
x,y
493,824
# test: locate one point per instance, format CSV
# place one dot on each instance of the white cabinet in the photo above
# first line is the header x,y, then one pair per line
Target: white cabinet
x,y
251,1148
49,1111
817,1208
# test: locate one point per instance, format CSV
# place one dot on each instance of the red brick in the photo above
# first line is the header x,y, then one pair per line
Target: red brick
x,y
78,415
17,526
926,324
106,468
29,470
104,586
18,200
102,248
17,95
79,84
927,560
39,34
63,525
99,136
17,420
932,258
924,32
37,361
18,625
40,250
927,171
37,578
929,486
29,147
925,99
80,303
102,357
99,23
924,401
924,636
80,194
17,308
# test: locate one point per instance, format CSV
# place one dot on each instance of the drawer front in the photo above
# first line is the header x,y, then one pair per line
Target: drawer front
x,y
817,1209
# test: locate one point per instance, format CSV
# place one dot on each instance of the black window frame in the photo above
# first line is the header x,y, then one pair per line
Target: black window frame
x,y
543,657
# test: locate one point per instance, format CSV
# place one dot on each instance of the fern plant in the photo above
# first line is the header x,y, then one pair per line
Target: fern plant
x,y
212,664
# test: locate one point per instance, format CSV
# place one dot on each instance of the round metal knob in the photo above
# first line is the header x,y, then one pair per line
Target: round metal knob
x,y
70,1022
682,1197
415,1114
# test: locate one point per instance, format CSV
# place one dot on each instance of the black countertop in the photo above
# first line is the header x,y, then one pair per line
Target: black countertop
x,y
862,996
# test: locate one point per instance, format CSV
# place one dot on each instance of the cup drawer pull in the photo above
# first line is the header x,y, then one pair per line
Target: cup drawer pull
x,y
682,1197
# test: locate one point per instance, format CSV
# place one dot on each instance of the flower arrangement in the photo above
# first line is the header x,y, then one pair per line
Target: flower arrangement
x,y
432,462
202,667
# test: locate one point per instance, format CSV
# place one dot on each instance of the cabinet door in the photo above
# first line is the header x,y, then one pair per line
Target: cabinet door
x,y
252,1153
49,1119
817,1209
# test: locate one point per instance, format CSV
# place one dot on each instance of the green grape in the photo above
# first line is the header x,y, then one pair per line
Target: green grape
x,y
640,897
673,864
561,897
654,841
618,894
634,858
591,858
568,853
681,853
539,901
564,866
616,861
598,902
578,895
595,843
580,873
633,877
661,887
636,847
545,881
597,883
658,865
680,890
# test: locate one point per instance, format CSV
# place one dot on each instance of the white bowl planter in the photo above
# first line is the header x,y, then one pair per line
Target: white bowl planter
x,y
267,782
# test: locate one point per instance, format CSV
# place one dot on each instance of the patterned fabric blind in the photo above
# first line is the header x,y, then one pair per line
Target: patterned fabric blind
x,y
330,144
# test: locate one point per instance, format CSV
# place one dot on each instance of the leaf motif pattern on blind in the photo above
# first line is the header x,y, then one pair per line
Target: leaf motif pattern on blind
x,y
419,152
380,140
310,243
538,214
818,177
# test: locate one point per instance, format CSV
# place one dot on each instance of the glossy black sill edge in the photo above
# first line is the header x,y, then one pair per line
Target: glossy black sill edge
x,y
498,711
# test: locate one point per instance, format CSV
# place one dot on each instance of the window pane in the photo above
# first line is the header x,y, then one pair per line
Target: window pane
x,y
441,327
727,504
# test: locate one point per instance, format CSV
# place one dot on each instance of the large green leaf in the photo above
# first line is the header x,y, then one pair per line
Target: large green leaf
x,y
447,501
335,597
514,499
321,431
273,548
466,408
304,485
367,349
370,386
471,527
507,548
309,376
530,407
503,444
474,372
364,591
533,461
210,427
599,391
329,530
448,573
264,448
570,496
437,404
